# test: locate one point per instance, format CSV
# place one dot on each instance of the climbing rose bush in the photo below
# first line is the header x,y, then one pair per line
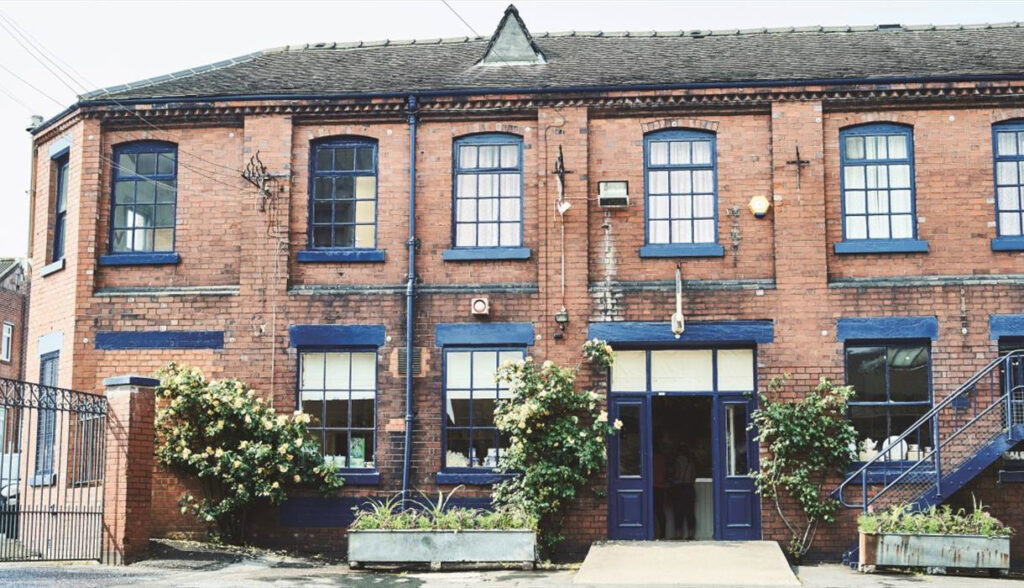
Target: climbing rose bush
x,y
556,437
241,451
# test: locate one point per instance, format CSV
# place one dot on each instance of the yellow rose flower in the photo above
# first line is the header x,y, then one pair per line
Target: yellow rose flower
x,y
297,478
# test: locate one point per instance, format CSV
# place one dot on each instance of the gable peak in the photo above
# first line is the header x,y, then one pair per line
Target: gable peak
x,y
511,43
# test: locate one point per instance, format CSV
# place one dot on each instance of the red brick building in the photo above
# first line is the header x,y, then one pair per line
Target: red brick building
x,y
840,202
13,317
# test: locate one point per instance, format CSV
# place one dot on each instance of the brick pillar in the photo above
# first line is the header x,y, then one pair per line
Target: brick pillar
x,y
128,484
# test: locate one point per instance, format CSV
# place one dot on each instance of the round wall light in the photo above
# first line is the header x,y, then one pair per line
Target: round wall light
x,y
759,205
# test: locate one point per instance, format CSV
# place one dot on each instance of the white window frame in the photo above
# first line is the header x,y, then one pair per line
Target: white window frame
x,y
7,345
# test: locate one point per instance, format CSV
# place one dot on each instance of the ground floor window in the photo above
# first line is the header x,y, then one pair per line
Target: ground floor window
x,y
471,394
338,389
892,382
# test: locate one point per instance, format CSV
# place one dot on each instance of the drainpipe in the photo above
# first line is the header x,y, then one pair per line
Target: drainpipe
x,y
410,296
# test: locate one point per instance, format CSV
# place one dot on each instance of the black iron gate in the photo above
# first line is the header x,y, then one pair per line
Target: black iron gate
x,y
52,453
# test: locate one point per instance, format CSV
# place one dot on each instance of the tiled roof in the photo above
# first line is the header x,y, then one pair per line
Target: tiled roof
x,y
598,59
8,264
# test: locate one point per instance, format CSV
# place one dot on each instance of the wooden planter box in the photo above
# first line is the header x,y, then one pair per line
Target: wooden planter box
x,y
441,547
936,552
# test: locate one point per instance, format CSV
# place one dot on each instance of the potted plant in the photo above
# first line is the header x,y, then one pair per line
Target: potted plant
x,y
934,539
436,533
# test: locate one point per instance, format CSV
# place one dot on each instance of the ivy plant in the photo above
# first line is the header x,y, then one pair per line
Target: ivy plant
x,y
806,442
239,449
557,436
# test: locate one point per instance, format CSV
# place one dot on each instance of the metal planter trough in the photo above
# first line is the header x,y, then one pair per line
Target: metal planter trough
x,y
437,548
935,553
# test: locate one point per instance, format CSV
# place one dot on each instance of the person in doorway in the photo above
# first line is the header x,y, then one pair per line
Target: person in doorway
x,y
684,493
661,465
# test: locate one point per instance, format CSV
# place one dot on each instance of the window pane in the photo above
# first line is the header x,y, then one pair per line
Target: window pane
x,y
488,184
870,422
510,209
681,370
484,452
361,450
488,156
324,159
364,371
899,176
467,157
322,236
457,411
483,408
163,240
506,356
366,186
702,152
736,370
337,371
856,227
312,376
487,235
165,164
465,235
704,231
1007,143
1006,172
704,206
164,192
510,235
908,373
457,369
365,235
897,146
853,177
679,152
165,215
679,182
484,364
630,445
865,371
362,409
509,156
345,158
487,209
344,187
337,409
902,226
658,207
682,232
364,158
466,186
903,417
736,439
681,206
878,227
1009,223
145,192
146,164
457,455
465,209
855,147
855,202
900,200
878,201
629,372
877,176
658,232
510,184
364,211
126,164
1008,199
124,192
703,181
659,153
657,182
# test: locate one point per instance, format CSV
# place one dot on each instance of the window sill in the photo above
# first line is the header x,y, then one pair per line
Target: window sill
x,y
360,478
140,259
42,480
683,250
341,256
52,268
1011,476
1008,244
485,253
484,478
882,246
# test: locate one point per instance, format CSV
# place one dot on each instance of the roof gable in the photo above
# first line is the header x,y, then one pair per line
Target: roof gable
x,y
511,43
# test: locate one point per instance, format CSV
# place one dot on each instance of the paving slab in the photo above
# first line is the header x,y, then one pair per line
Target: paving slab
x,y
692,563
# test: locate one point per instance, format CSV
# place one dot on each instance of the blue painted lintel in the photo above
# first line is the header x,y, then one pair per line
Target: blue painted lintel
x,y
363,478
636,332
140,381
682,250
140,259
888,327
117,340
1008,244
882,246
60,147
483,334
485,253
342,256
1006,325
336,335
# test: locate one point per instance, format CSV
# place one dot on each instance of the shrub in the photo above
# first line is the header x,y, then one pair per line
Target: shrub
x,y
807,442
239,449
934,521
556,436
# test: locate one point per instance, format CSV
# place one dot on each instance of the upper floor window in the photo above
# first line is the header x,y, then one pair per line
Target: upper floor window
x,y
1008,149
60,208
681,187
343,207
7,344
488,173
877,162
338,389
145,197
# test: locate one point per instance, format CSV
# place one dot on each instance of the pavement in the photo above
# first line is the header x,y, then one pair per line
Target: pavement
x,y
189,566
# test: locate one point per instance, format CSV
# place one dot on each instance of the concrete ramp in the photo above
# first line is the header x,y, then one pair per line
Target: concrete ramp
x,y
693,563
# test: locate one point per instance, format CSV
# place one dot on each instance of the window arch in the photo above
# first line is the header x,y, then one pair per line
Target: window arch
x,y
343,193
145,193
681,193
488,186
877,180
1008,172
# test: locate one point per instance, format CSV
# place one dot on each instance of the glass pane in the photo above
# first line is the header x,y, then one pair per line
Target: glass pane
x,y
704,231
897,147
1009,223
344,187
484,452
658,232
142,240
465,209
878,227
484,364
1007,143
870,422
457,411
322,236
657,182
855,202
902,418
659,153
483,409
629,372
126,164
703,181
899,176
337,371
510,209
163,240
366,186
457,369
487,235
908,373
878,201
487,209
467,157
146,164
629,440
682,231
465,235
902,226
323,188
855,147
488,184
337,409
364,211
1008,199
364,371
900,200
686,370
345,158
853,177
679,182
509,156
457,453
165,215
164,192
365,235
510,184
344,236
324,159
145,192
364,158
488,156
658,207
510,235
361,450
736,370
704,206
702,152
877,176
681,206
362,409
736,439
315,410
1006,172
856,227
335,446
165,164
124,192
865,371
679,152
466,186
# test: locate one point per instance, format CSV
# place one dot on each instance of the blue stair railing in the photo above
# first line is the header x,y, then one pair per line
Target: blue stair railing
x,y
945,448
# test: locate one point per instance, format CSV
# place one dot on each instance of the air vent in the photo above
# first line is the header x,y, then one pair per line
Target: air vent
x,y
417,361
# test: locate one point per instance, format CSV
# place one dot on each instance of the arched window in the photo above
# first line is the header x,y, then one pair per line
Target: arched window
x,y
877,178
145,190
681,190
488,175
1008,153
343,194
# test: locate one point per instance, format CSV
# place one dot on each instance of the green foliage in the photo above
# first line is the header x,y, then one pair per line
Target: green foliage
x,y
556,436
807,442
599,353
428,515
934,521
241,451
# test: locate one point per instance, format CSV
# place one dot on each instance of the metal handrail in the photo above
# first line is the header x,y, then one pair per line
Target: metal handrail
x,y
935,454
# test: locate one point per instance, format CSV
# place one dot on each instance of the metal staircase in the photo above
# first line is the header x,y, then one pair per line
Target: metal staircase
x,y
946,448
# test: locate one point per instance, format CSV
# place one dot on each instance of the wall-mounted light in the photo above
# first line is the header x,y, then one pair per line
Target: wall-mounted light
x,y
480,306
562,318
759,205
613,194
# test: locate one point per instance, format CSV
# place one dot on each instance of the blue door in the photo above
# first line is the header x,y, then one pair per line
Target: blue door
x,y
737,505
629,470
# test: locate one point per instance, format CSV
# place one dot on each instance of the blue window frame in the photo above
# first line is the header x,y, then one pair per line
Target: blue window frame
x,y
877,185
46,418
471,442
338,389
488,184
681,193
892,381
60,207
1008,173
145,193
343,194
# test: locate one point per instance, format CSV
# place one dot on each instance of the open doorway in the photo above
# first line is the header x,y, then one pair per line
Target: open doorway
x,y
682,473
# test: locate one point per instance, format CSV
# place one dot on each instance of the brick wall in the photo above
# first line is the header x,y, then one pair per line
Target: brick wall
x,y
239,271
13,311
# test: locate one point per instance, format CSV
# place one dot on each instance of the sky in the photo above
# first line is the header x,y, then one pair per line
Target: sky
x,y
107,43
